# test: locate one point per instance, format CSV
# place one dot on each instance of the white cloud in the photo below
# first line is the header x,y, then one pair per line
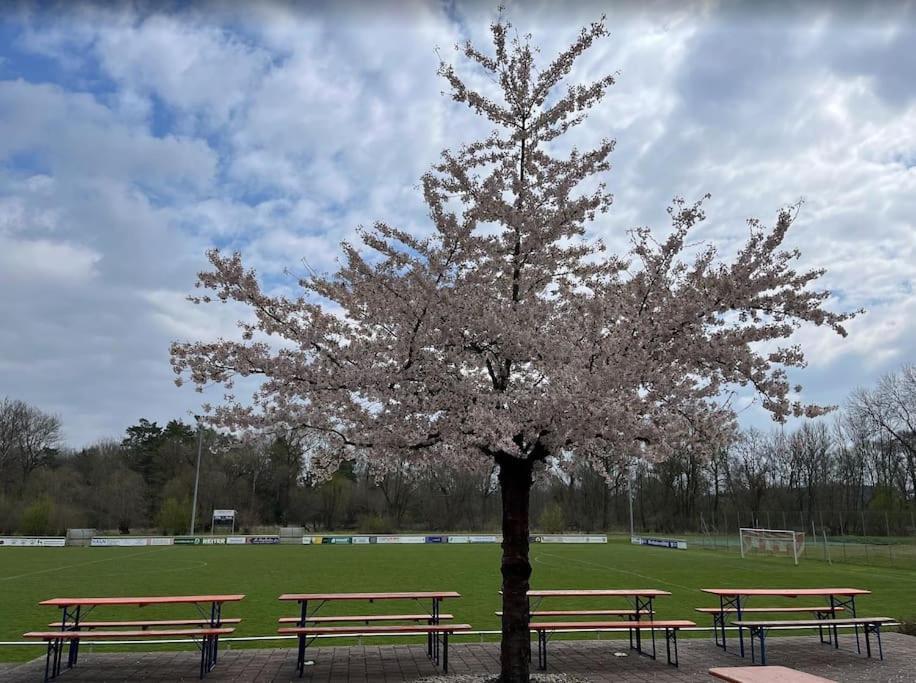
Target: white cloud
x,y
22,262
277,128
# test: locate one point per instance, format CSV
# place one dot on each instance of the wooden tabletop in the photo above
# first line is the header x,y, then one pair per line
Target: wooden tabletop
x,y
785,592
765,674
152,600
596,593
405,595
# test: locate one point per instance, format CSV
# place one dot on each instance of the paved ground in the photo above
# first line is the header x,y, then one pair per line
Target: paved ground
x,y
590,660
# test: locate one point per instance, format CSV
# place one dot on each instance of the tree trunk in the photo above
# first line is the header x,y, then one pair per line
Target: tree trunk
x,y
515,486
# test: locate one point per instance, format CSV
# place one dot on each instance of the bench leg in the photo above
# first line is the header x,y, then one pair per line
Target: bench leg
x,y
445,652
867,641
880,649
671,636
300,659
204,644
58,652
762,634
542,650
48,660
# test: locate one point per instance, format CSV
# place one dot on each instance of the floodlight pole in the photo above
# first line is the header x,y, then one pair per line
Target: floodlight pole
x,y
200,442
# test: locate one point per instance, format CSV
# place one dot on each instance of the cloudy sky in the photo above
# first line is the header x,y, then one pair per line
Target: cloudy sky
x,y
135,136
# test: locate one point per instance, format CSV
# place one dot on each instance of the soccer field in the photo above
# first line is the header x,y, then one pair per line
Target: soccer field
x,y
28,575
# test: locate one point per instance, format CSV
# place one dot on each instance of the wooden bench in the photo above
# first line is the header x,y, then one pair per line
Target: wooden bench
x,y
586,613
55,639
758,630
670,627
89,625
307,633
718,613
365,618
765,674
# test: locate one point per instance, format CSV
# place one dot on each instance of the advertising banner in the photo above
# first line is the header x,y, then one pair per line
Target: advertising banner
x,y
161,541
673,543
387,539
485,539
561,538
264,540
411,539
187,540
214,540
235,540
32,542
435,539
112,541
306,540
361,540
224,515
457,539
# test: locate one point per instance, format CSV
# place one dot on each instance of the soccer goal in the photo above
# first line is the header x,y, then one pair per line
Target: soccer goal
x,y
773,541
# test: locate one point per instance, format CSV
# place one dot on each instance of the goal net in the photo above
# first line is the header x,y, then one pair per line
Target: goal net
x,y
772,542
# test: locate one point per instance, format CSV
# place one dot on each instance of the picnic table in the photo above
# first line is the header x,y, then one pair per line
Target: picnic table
x,y
72,626
734,601
308,624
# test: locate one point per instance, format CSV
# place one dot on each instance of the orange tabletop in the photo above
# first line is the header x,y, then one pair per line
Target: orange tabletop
x,y
593,593
765,674
418,595
152,600
785,592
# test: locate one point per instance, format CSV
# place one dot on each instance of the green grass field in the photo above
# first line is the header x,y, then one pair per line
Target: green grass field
x,y
28,575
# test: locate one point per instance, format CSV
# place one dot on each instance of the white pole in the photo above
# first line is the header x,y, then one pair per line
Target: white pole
x,y
630,488
196,474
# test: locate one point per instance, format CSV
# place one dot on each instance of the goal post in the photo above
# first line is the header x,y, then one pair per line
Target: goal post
x,y
772,541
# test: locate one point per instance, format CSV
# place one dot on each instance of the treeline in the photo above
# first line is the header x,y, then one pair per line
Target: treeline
x,y
854,474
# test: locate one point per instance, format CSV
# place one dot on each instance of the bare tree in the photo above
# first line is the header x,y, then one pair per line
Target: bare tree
x,y
28,437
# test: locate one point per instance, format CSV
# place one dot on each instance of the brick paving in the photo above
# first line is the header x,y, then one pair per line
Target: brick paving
x,y
590,660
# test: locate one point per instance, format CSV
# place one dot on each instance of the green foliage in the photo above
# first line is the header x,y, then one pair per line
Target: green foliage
x,y
36,518
375,524
174,516
886,499
552,520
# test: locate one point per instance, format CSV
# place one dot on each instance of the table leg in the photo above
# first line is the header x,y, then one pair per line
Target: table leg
x,y
851,604
836,635
723,605
636,604
740,630
300,659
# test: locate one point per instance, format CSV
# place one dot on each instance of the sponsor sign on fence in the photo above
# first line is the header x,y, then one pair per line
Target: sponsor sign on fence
x,y
673,543
33,541
557,538
270,539
119,541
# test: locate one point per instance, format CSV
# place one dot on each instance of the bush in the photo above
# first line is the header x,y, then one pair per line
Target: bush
x,y
552,520
174,516
375,524
36,518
